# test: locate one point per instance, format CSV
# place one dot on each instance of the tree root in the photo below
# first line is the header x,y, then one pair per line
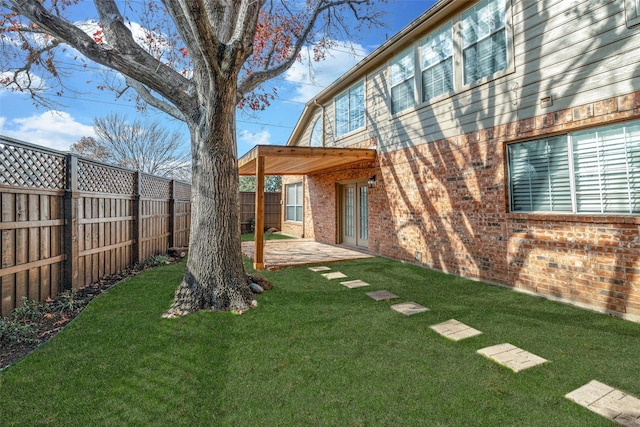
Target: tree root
x,y
192,298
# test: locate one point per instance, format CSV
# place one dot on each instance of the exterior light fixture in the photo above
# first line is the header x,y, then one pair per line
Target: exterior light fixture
x,y
372,181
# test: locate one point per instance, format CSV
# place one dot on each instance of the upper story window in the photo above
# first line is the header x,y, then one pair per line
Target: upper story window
x,y
484,41
316,134
401,73
436,59
350,110
590,171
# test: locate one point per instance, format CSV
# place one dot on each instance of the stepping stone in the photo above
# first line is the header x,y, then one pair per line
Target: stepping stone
x,y
334,275
354,284
409,308
381,295
609,402
321,268
455,330
512,357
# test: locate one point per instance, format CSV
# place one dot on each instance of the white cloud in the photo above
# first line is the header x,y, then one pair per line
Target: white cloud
x,y
311,78
53,129
259,138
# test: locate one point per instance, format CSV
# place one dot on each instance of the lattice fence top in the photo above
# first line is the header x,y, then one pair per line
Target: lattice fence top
x,y
98,178
24,166
154,187
181,191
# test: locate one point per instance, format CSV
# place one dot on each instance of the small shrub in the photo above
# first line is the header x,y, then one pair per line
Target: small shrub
x,y
153,261
68,302
12,331
156,260
30,311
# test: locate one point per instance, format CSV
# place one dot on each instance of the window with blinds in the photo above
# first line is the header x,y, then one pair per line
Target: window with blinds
x,y
349,110
591,171
293,209
401,71
484,43
436,58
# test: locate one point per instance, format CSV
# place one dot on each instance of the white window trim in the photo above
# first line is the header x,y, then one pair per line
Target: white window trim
x,y
287,204
458,55
335,110
412,78
422,70
318,122
632,12
458,78
572,177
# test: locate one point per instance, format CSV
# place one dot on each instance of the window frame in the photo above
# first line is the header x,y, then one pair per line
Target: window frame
x,y
411,78
318,128
450,26
350,110
297,204
509,66
632,12
457,63
600,169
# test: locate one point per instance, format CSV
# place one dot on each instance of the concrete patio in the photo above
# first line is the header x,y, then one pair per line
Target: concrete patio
x,y
295,252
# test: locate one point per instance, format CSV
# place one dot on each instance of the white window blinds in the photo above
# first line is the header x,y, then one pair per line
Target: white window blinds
x,y
484,45
436,57
401,76
591,171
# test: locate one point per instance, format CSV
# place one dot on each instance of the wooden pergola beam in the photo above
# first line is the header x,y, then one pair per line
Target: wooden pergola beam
x,y
286,160
258,261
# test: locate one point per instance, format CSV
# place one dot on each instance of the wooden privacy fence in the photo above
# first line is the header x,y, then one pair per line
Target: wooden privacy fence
x,y
67,222
272,211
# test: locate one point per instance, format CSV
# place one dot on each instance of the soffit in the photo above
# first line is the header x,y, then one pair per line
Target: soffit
x,y
291,160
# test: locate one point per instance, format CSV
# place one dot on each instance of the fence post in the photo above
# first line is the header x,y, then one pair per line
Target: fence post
x,y
70,231
172,214
136,228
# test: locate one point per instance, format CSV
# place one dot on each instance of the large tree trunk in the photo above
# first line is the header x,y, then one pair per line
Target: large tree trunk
x,y
214,276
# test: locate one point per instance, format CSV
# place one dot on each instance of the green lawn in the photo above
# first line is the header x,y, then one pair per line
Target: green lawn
x,y
250,237
316,353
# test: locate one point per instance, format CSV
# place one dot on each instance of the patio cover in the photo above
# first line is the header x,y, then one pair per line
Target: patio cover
x,y
287,160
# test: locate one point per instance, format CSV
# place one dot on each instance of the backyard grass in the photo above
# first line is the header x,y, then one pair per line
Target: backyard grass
x,y
250,237
316,353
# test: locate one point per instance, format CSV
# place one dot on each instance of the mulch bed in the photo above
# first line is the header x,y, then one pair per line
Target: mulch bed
x,y
52,321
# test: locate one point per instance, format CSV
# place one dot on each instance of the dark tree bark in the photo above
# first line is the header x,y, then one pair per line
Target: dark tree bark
x,y
226,70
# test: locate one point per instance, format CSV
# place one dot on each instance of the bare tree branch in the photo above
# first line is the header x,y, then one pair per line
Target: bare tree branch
x,y
252,80
148,97
120,53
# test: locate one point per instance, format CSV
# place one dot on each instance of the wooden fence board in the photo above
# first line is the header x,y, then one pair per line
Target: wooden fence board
x,y
22,248
45,249
33,290
67,221
8,201
272,210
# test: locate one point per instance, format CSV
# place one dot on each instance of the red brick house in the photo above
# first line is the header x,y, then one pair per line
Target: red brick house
x,y
497,140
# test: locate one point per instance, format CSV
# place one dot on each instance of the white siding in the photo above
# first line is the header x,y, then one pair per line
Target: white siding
x,y
576,51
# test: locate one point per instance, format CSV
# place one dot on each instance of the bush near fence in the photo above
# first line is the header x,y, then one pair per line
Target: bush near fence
x,y
66,221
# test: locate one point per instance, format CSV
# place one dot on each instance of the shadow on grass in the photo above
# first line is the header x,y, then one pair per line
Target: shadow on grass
x,y
315,352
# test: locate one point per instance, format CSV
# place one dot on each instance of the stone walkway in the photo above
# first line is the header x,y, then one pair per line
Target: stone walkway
x,y
600,398
512,357
455,330
609,402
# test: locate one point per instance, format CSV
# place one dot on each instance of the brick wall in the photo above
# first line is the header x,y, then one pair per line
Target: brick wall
x,y
444,204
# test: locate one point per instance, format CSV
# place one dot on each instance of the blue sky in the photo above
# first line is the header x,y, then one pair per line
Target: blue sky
x,y
62,126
